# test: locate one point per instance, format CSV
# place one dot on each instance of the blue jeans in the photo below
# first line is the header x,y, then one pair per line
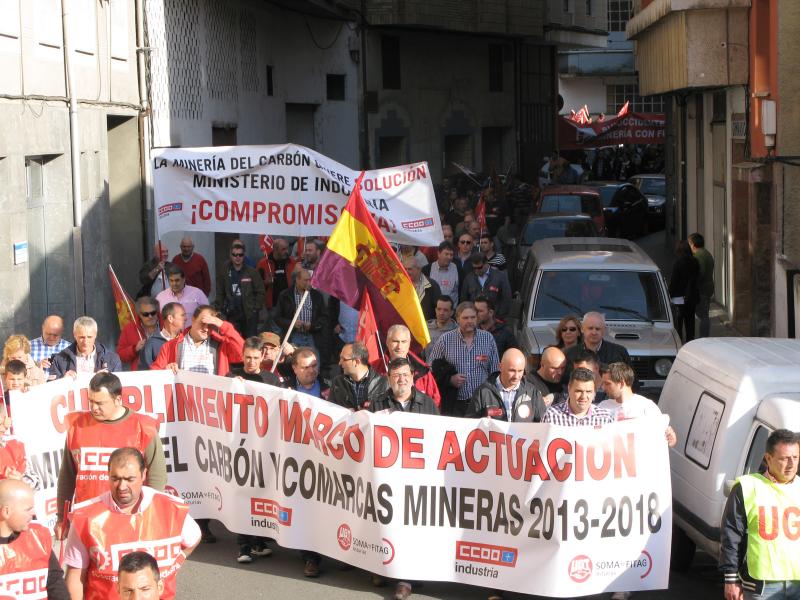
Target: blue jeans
x,y
302,339
777,590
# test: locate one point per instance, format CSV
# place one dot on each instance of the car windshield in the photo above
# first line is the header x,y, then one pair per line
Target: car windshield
x,y
652,185
620,295
540,229
568,203
607,194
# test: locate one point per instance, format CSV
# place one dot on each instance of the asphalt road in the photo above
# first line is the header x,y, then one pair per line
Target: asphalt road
x,y
212,573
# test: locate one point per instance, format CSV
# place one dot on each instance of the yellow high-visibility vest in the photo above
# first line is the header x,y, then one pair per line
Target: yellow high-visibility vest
x,y
773,528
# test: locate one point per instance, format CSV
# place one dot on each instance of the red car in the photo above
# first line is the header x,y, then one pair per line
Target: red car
x,y
573,199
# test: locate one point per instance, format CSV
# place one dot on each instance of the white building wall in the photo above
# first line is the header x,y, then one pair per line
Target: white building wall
x,y
577,91
208,68
34,122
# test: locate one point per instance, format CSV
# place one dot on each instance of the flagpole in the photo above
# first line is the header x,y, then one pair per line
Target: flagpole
x,y
289,331
380,349
163,277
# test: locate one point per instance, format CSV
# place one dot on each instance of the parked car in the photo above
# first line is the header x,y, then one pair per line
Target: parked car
x,y
724,397
625,208
654,187
573,199
543,226
608,275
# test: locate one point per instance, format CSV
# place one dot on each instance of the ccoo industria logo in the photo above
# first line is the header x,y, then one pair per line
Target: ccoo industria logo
x,y
168,208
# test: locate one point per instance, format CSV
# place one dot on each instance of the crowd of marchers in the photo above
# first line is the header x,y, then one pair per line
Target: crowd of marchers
x,y
472,369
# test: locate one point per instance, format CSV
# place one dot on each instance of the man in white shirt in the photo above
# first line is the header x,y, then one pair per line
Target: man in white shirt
x,y
623,403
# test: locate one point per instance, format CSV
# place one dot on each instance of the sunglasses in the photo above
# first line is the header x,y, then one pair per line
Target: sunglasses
x,y
569,329
152,313
464,242
237,254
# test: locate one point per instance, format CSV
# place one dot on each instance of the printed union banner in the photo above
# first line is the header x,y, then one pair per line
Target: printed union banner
x,y
532,508
286,190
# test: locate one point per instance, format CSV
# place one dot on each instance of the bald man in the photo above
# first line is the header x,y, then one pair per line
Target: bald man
x,y
50,343
194,266
547,379
508,395
26,548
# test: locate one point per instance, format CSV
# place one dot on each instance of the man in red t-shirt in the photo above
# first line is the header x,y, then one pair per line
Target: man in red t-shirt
x,y
193,265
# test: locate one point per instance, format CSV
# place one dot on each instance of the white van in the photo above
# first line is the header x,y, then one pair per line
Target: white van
x,y
724,397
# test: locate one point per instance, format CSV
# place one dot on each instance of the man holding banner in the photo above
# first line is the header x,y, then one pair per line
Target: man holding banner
x,y
91,437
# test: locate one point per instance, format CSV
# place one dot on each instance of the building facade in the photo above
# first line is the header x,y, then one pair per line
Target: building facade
x,y
728,70
69,159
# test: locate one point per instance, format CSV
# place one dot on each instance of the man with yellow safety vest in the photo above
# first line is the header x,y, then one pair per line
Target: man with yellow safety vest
x,y
760,533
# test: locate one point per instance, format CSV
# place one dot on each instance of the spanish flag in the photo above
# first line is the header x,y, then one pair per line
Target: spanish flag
x,y
360,261
124,304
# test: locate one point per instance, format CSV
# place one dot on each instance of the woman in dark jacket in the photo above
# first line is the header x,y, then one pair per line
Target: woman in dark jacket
x,y
683,289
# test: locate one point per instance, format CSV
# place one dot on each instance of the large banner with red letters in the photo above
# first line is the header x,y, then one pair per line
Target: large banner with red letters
x,y
630,128
532,508
286,190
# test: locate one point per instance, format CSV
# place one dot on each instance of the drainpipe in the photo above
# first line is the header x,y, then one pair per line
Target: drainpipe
x,y
144,129
75,162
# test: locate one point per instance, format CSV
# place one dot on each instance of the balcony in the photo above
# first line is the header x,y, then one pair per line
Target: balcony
x,y
684,44
507,17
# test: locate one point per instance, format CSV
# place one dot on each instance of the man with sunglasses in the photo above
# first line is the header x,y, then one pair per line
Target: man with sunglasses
x,y
134,335
466,246
358,383
240,292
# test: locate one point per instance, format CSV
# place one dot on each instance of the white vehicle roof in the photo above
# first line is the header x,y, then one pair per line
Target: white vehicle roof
x,y
730,360
597,253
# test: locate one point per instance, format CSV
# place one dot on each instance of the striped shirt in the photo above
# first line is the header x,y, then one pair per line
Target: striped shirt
x,y
507,395
305,312
475,362
498,261
560,414
40,351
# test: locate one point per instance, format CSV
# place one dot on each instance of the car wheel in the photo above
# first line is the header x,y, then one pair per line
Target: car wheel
x,y
682,552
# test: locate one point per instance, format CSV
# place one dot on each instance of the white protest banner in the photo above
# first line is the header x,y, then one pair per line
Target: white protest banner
x,y
286,190
532,508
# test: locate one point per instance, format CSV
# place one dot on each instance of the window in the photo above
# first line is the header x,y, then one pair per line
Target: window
x,y
495,68
703,430
270,89
34,180
566,6
618,94
619,13
588,8
335,87
755,456
390,62
620,295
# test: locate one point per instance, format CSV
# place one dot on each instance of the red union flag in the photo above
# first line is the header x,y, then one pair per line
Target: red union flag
x,y
367,331
265,243
360,261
